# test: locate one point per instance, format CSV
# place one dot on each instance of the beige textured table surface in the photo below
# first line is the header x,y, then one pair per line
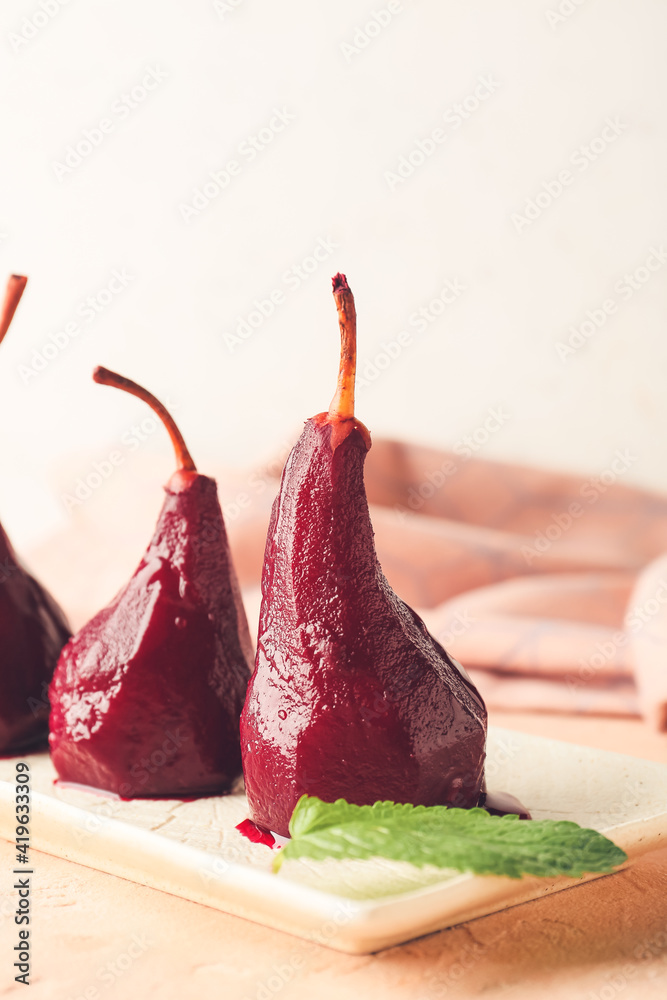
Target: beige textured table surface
x,y
98,937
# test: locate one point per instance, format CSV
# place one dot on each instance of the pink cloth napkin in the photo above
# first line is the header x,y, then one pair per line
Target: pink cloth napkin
x,y
551,588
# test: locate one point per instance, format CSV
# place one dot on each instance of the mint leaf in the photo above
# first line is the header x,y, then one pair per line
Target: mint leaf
x,y
467,840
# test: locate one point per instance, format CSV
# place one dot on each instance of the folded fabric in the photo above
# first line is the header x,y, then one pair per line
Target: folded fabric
x,y
527,576
646,628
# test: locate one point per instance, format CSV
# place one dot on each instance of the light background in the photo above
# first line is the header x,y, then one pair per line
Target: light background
x,y
324,176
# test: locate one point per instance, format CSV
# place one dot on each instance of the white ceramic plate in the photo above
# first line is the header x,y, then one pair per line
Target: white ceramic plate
x,y
192,849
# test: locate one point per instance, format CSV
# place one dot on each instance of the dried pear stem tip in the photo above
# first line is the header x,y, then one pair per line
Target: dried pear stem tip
x,y
15,287
183,458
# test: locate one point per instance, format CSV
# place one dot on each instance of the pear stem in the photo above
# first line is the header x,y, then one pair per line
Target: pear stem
x,y
183,458
15,286
342,405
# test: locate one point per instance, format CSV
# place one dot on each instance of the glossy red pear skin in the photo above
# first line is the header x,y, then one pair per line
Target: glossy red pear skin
x,y
146,698
351,697
33,630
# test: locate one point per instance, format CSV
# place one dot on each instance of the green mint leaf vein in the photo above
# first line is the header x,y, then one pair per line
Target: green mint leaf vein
x,y
466,840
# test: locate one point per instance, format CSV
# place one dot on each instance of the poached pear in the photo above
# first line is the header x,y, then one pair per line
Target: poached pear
x,y
33,629
351,696
146,698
